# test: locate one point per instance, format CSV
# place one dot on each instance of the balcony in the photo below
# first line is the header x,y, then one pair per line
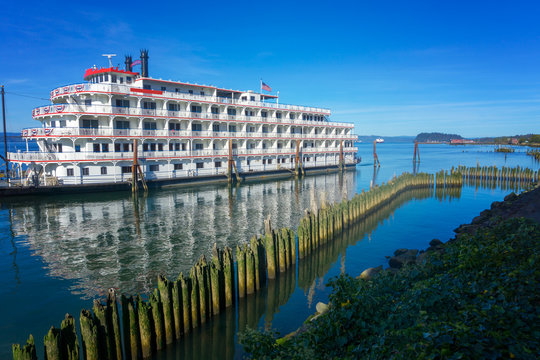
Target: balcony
x,y
126,90
166,155
154,134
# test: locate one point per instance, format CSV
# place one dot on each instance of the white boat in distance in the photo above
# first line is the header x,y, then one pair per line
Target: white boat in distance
x,y
379,140
88,132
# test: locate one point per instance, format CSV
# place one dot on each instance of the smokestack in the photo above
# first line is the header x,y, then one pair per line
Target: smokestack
x,y
144,63
128,63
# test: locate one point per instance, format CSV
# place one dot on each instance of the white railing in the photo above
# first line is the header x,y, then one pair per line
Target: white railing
x,y
100,109
128,155
126,89
111,132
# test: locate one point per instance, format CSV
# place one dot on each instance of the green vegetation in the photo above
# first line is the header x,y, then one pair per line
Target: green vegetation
x,y
476,298
436,137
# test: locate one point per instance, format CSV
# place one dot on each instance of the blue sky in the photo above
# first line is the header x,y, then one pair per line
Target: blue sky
x,y
391,67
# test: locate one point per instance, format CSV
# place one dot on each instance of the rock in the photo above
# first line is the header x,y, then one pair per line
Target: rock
x,y
400,251
477,220
412,252
421,259
321,307
495,204
369,273
435,242
510,197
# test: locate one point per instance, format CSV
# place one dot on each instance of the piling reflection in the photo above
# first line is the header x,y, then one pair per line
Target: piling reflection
x,y
316,265
115,240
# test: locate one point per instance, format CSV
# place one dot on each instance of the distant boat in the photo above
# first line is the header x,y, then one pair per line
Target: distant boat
x,y
379,140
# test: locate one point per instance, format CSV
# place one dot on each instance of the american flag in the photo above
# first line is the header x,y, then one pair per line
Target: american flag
x,y
136,62
265,87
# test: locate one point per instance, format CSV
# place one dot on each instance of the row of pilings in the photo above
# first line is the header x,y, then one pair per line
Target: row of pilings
x,y
535,154
177,307
514,178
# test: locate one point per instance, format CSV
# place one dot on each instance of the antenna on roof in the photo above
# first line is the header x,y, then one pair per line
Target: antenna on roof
x,y
110,57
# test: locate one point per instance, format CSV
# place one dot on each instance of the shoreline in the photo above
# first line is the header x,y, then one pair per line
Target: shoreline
x,y
514,206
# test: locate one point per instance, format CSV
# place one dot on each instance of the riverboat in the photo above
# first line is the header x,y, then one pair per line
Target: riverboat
x,y
93,132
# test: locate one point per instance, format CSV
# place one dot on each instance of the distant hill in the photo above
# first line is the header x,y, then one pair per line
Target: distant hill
x,y
436,137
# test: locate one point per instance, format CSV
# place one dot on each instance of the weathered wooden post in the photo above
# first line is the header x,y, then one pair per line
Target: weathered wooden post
x,y
101,316
89,336
228,274
164,287
215,273
292,238
194,301
281,252
134,332
157,316
116,338
186,292
254,244
203,290
51,343
28,351
250,270
69,344
176,293
241,271
270,255
145,326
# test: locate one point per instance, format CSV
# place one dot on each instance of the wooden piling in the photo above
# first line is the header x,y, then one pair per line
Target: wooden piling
x,y
69,343
157,317
202,293
215,273
254,244
281,253
270,249
228,275
250,270
194,301
135,336
292,238
51,344
176,293
114,330
241,271
28,351
145,327
186,311
165,296
89,336
101,316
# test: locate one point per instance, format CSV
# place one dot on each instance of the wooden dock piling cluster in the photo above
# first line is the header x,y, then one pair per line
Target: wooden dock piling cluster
x,y
505,177
176,307
534,154
323,225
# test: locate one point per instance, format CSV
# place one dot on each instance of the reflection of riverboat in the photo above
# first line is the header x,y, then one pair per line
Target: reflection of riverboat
x,y
93,131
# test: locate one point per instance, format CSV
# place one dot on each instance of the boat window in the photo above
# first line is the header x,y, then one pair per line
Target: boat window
x,y
231,111
106,77
196,108
121,79
105,147
103,170
90,124
113,78
86,171
173,107
202,93
126,169
69,172
217,164
122,103
128,79
178,166
200,165
278,115
77,148
252,98
154,167
101,78
196,127
96,148
149,125
88,102
149,105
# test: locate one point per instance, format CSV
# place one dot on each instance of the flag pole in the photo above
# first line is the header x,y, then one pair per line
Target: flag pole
x,y
277,100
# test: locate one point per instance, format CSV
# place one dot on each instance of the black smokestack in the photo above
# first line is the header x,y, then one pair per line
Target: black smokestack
x,y
144,63
128,63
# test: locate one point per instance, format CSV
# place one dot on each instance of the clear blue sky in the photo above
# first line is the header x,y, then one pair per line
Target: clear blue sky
x,y
391,67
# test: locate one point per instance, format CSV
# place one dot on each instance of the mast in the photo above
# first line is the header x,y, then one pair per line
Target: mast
x,y
5,135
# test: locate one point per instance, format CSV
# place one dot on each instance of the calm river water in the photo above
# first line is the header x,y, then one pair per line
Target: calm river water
x,y
59,253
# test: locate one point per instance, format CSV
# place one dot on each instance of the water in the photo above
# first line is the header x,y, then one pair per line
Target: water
x,y
59,253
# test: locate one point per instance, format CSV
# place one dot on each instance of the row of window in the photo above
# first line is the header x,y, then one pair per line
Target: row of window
x,y
155,167
114,78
